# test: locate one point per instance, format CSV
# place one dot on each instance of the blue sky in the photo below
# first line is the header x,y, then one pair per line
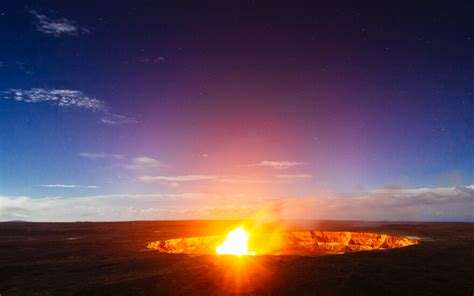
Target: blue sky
x,y
164,111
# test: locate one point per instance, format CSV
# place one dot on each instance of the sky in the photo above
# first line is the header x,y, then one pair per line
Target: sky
x,y
172,110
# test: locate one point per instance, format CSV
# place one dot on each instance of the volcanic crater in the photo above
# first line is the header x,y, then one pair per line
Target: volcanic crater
x,y
305,243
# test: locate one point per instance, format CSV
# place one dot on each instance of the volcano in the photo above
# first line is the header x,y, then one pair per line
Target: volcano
x,y
306,243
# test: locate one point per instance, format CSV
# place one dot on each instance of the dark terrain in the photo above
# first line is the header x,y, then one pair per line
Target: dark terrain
x,y
111,259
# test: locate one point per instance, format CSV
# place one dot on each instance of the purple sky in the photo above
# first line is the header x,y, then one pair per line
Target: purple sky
x,y
172,111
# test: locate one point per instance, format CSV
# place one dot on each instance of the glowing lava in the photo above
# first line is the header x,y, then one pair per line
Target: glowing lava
x,y
236,243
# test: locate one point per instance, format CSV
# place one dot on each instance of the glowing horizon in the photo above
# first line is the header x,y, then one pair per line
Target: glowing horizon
x,y
193,114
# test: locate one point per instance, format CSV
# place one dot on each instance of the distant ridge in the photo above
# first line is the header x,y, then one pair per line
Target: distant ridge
x,y
14,221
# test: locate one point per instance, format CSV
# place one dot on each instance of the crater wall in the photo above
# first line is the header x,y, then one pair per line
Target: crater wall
x,y
313,243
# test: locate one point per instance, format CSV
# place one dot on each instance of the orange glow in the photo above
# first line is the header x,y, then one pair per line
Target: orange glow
x,y
236,243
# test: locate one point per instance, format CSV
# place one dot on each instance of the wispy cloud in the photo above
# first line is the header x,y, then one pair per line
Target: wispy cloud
x,y
116,119
97,207
146,163
194,178
101,155
420,204
57,97
57,27
295,176
69,186
226,178
66,98
185,178
279,165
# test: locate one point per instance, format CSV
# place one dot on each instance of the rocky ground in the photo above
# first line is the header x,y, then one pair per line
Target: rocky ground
x,y
111,259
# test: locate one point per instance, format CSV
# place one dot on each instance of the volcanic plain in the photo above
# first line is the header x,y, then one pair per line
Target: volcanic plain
x,y
112,258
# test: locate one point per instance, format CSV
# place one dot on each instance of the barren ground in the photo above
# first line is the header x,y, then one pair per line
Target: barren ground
x,y
110,259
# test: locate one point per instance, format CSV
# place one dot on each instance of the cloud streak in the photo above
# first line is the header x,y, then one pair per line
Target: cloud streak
x,y
422,204
116,119
290,178
146,163
279,165
56,97
195,178
100,155
295,176
69,186
67,98
184,178
57,27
